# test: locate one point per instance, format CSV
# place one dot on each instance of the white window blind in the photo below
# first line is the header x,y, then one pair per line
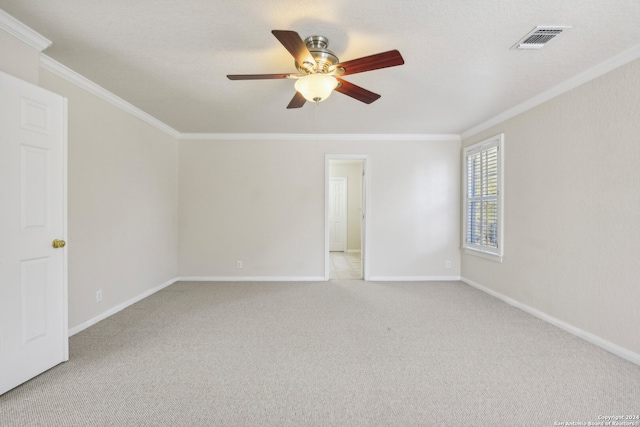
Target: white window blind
x,y
483,205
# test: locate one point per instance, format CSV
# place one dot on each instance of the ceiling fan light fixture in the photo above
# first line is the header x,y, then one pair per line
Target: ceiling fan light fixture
x,y
316,87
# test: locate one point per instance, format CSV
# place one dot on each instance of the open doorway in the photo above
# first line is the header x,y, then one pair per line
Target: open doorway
x,y
345,217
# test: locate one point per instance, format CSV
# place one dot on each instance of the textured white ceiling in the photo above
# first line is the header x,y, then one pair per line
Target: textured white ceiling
x,y
170,58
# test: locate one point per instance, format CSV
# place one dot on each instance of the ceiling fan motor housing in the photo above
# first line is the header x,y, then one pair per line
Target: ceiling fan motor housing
x,y
317,46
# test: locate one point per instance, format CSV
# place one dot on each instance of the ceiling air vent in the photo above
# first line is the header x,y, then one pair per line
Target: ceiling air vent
x,y
539,37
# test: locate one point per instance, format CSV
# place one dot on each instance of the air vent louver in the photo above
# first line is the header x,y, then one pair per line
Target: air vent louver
x,y
539,37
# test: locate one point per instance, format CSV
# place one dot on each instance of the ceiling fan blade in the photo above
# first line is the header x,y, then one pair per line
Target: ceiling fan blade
x,y
297,101
257,76
356,92
296,47
391,58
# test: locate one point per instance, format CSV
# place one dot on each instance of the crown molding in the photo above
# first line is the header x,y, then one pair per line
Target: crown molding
x,y
71,76
23,33
318,137
579,79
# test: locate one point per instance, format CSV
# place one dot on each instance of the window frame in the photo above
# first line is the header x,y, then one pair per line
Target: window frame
x,y
480,250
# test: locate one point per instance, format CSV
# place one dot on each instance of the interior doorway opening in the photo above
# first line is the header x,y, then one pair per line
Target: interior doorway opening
x,y
345,207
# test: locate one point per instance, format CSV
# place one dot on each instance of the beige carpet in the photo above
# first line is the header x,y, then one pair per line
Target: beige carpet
x,y
341,353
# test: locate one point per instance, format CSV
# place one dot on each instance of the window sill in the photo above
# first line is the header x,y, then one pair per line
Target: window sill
x,y
485,255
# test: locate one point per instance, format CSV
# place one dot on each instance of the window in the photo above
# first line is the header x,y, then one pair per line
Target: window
x,y
483,198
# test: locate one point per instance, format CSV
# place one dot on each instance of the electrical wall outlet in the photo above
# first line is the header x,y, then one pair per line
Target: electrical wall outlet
x,y
447,264
238,264
99,295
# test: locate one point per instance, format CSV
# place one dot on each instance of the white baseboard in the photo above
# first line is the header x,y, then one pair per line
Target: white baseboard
x,y
119,307
250,279
413,278
587,336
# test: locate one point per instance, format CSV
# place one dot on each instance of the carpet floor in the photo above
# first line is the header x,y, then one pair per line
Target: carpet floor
x,y
338,353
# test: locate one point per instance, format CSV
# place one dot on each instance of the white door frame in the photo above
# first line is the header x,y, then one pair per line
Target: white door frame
x,y
366,203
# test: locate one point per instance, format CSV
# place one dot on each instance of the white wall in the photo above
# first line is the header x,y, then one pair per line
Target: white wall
x,y
19,59
262,202
122,194
572,204
353,173
122,203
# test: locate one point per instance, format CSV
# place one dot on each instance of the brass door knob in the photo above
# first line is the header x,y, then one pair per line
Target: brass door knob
x,y
58,243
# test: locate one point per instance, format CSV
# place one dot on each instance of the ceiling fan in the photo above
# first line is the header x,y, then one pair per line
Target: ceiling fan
x,y
320,70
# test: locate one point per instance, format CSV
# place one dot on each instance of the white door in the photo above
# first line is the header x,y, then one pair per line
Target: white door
x,y
33,287
338,214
